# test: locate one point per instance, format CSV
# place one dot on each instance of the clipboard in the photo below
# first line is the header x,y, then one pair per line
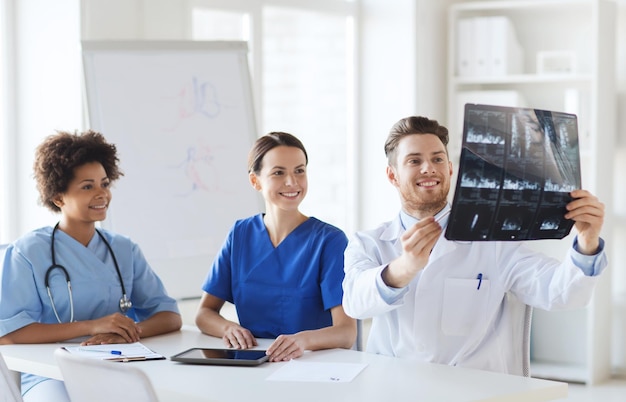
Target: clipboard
x,y
116,352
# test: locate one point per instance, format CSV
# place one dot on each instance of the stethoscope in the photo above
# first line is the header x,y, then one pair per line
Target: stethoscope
x,y
125,303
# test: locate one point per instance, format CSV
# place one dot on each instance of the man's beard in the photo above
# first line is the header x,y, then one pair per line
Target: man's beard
x,y
425,206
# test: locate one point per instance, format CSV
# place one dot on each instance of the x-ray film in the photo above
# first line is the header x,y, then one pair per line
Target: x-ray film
x,y
516,171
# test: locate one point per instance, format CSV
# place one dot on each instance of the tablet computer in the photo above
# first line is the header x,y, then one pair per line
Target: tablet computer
x,y
229,357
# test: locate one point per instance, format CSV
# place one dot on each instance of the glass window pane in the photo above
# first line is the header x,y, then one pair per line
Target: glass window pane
x,y
306,60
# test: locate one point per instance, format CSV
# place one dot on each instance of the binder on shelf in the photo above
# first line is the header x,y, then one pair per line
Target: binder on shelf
x,y
465,55
482,46
487,46
505,51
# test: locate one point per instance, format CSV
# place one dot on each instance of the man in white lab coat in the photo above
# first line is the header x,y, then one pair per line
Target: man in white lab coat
x,y
454,302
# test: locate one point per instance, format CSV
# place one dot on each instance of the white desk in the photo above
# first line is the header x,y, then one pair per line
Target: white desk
x,y
384,378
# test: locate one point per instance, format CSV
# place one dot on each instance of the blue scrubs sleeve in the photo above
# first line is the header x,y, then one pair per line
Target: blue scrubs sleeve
x,y
219,278
19,301
332,262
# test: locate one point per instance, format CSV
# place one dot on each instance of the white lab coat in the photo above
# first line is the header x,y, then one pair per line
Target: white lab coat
x,y
443,317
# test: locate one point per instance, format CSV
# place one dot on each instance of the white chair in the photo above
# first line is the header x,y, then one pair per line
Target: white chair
x,y
96,380
9,391
520,316
528,317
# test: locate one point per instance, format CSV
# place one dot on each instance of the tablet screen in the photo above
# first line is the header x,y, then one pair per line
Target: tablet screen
x,y
221,356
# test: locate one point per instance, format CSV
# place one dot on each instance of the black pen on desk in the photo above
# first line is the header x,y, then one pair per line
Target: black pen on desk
x,y
127,359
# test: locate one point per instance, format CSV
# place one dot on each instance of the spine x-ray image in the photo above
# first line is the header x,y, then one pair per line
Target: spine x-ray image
x,y
516,171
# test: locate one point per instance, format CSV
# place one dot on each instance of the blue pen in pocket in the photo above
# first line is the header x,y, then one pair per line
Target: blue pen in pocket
x,y
480,280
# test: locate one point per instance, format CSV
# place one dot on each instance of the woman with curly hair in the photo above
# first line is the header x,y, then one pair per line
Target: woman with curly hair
x,y
74,280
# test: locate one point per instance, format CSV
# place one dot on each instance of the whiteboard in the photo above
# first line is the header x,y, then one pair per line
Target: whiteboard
x,y
181,116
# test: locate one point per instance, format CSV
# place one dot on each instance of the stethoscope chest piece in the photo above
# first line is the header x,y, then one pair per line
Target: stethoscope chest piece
x,y
125,303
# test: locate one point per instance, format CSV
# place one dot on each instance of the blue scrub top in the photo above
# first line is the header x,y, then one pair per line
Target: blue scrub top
x,y
284,289
96,287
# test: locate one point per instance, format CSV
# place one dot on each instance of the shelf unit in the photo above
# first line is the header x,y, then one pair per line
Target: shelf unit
x,y
574,345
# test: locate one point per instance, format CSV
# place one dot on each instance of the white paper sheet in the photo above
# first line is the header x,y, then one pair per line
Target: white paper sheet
x,y
116,352
317,372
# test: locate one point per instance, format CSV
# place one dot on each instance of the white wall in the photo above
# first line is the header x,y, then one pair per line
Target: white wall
x,y
387,94
618,254
8,201
134,19
47,62
402,58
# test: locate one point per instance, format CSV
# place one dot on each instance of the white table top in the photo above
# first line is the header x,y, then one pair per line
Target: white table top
x,y
384,378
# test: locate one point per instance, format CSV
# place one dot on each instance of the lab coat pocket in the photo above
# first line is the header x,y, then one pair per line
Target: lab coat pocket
x,y
464,305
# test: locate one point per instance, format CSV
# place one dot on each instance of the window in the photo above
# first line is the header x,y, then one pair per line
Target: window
x,y
304,86
4,143
40,92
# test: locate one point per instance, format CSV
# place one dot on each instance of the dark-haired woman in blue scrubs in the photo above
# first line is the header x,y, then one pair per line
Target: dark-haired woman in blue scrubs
x,y
281,269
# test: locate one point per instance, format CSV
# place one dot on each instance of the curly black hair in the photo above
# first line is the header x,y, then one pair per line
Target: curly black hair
x,y
60,154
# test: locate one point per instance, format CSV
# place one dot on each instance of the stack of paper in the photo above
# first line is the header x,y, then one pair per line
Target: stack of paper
x,y
487,46
119,352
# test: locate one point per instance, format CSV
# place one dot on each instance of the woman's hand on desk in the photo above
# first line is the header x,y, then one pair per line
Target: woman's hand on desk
x,y
286,347
115,324
104,339
238,337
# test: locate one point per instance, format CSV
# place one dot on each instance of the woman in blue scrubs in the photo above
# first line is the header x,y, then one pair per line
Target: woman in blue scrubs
x,y
110,278
281,269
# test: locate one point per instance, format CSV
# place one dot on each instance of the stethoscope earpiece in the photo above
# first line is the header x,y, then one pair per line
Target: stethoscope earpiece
x,y
125,303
